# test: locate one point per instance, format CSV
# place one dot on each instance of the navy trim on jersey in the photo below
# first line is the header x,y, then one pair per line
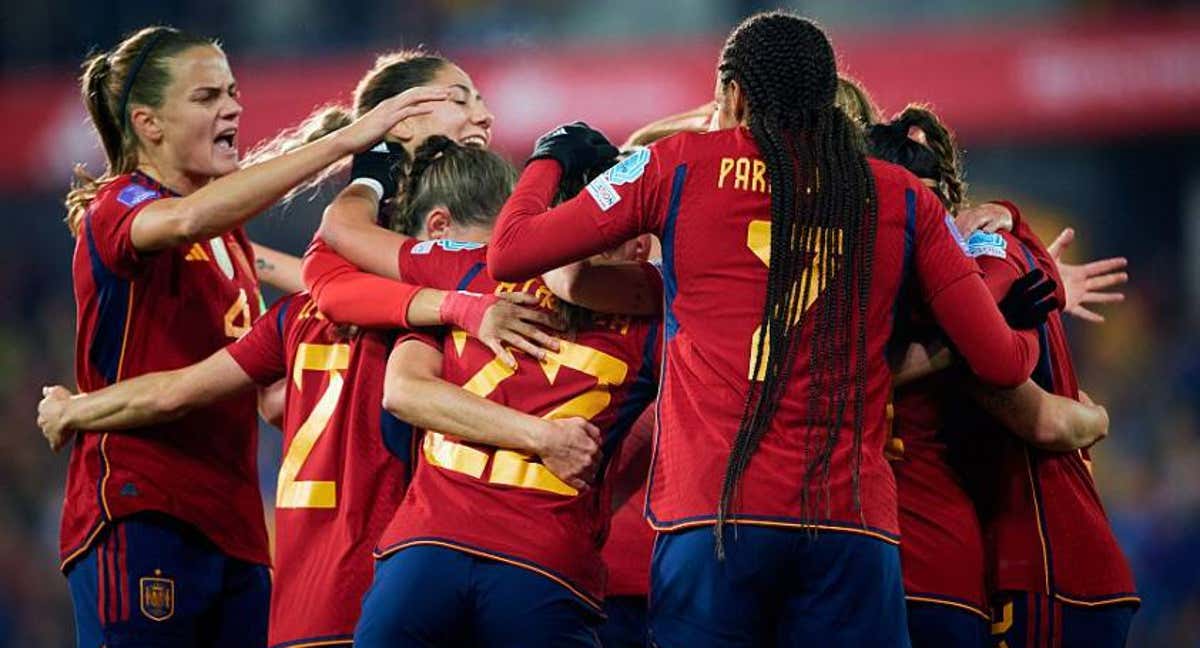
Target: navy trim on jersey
x,y
112,293
283,309
311,642
1043,375
470,276
397,437
638,397
901,324
670,284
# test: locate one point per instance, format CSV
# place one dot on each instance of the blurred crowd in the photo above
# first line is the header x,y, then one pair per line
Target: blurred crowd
x,y
1125,197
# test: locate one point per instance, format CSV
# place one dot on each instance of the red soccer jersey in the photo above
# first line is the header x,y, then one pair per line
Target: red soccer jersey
x,y
707,198
941,548
630,542
503,504
1045,527
144,312
344,469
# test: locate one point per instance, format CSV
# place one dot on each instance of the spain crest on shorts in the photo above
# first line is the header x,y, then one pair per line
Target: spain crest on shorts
x,y
157,597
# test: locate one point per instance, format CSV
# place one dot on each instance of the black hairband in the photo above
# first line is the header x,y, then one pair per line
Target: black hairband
x,y
133,72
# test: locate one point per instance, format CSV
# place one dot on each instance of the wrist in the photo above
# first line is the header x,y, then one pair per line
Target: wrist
x,y
536,436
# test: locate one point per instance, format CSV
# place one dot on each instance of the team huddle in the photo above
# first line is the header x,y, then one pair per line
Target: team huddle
x,y
760,376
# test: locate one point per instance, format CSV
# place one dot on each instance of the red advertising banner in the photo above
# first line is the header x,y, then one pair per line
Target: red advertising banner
x,y
1121,77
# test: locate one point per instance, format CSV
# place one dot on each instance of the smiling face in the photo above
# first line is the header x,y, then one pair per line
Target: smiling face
x,y
463,117
194,132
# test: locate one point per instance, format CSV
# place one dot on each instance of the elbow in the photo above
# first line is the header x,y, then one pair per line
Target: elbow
x,y
400,398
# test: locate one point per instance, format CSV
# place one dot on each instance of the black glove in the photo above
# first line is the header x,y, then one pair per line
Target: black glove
x,y
1029,301
577,147
383,164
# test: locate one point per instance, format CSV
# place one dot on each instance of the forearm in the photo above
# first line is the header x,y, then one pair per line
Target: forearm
x,y
995,353
278,269
528,240
136,402
1042,419
622,288
228,202
348,226
348,295
921,361
435,404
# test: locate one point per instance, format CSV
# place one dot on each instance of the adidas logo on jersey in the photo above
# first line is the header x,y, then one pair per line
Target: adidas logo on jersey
x,y
197,253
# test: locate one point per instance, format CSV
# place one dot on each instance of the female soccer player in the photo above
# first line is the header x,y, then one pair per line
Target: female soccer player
x,y
488,547
1073,586
779,221
948,603
163,541
340,479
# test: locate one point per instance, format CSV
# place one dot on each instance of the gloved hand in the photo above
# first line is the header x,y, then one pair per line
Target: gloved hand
x,y
576,147
380,168
1029,301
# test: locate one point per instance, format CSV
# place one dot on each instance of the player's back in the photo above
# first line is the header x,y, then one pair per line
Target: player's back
x,y
501,503
344,471
716,250
140,312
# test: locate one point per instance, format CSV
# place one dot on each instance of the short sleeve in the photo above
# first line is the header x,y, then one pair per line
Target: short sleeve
x,y
940,251
109,224
260,351
426,336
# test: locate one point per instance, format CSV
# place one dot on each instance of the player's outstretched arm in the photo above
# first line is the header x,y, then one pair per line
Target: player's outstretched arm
x,y
1045,420
277,269
137,402
230,201
415,392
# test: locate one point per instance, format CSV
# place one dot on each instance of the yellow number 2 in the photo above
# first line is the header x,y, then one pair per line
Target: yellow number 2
x,y
512,468
758,239
331,359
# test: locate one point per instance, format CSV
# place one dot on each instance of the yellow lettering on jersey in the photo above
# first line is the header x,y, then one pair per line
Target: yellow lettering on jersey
x,y
758,181
331,359
726,167
741,174
999,628
749,174
237,318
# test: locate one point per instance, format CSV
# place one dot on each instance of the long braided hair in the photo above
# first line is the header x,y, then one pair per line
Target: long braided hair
x,y
823,217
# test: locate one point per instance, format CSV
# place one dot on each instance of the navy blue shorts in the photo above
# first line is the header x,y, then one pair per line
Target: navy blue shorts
x,y
435,596
151,580
776,586
942,626
625,626
1034,620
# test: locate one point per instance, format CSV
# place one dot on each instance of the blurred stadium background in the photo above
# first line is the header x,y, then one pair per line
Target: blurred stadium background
x,y
1085,112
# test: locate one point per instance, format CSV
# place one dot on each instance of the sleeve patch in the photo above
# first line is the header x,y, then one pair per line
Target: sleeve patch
x,y
958,237
987,244
603,188
425,247
135,194
629,169
602,191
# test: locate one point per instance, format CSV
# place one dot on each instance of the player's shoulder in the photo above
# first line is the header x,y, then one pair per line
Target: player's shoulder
x,y
696,147
888,174
127,191
465,250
